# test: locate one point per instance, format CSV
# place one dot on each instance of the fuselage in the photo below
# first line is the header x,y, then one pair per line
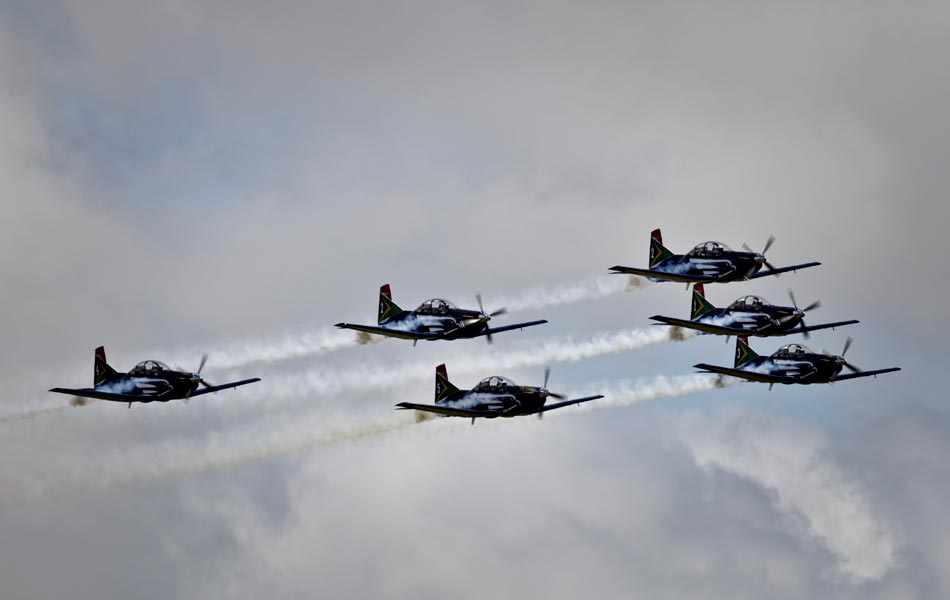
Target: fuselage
x,y
511,402
806,368
452,324
160,386
764,321
717,265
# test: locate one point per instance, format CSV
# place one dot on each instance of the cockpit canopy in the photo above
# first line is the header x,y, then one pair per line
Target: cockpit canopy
x,y
436,306
791,351
709,249
495,383
148,368
749,303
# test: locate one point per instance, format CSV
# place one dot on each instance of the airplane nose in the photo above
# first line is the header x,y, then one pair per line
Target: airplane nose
x,y
759,258
800,314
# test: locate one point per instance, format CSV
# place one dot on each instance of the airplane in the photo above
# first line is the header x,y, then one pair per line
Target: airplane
x,y
148,381
749,316
709,262
792,363
435,319
493,397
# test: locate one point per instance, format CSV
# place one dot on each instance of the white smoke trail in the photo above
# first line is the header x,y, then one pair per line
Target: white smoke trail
x,y
30,413
589,289
266,440
269,350
635,391
329,339
329,382
326,382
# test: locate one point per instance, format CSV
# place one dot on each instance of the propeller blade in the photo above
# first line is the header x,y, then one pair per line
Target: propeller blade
x,y
478,296
791,296
488,338
847,344
852,367
771,267
768,244
499,312
205,383
558,396
547,375
812,306
805,333
201,365
746,248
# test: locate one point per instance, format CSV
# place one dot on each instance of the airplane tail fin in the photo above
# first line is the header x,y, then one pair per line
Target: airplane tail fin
x,y
387,308
443,388
743,352
658,252
102,372
700,305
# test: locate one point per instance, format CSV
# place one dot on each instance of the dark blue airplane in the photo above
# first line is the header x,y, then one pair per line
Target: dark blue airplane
x,y
792,363
148,381
709,262
493,397
435,319
749,316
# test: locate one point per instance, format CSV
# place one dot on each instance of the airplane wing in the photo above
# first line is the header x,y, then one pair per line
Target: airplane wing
x,y
396,333
767,272
495,330
447,411
699,326
747,375
99,395
548,407
662,275
226,386
865,374
822,326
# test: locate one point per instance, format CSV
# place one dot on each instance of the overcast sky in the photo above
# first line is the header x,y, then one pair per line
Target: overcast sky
x,y
235,177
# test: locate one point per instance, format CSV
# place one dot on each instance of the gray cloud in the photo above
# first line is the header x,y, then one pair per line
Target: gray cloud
x,y
188,174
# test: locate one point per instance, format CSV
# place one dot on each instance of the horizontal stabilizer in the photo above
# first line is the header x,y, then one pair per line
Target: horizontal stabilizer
x,y
747,375
396,333
98,395
447,411
699,326
662,275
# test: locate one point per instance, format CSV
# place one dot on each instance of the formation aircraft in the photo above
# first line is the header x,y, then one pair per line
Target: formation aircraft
x,y
748,316
709,262
493,397
148,381
435,319
792,363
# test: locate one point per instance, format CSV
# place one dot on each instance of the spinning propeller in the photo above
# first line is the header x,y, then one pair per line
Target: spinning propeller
x,y
847,344
545,393
196,376
812,306
481,309
768,244
841,359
